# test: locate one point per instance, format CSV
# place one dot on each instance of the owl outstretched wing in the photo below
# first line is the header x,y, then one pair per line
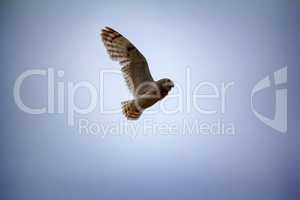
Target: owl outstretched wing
x,y
135,67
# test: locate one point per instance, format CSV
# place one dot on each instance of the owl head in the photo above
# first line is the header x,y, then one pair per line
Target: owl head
x,y
165,84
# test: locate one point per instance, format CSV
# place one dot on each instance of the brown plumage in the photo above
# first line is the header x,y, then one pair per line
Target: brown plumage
x,y
136,73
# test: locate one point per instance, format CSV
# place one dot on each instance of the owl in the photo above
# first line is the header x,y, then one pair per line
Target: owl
x,y
135,69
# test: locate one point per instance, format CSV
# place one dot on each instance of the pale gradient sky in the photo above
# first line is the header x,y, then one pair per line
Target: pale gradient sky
x,y
221,41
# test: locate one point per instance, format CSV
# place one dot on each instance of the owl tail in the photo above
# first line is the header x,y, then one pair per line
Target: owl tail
x,y
130,110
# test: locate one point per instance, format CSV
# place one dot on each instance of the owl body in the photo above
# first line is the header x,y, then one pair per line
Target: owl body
x,y
136,72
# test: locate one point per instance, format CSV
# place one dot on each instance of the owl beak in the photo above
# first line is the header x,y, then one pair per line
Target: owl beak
x,y
171,85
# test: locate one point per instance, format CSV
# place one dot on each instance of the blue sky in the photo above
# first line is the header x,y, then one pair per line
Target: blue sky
x,y
42,157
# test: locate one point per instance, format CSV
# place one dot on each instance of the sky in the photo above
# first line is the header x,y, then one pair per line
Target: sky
x,y
203,141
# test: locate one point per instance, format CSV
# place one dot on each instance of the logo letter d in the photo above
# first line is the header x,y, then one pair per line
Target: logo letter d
x,y
279,122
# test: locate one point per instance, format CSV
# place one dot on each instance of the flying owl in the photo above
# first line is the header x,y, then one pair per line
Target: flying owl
x,y
136,72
